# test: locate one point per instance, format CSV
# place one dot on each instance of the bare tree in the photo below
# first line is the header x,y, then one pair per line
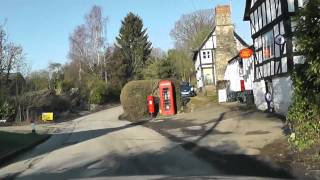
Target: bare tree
x,y
78,52
87,43
95,28
191,29
11,56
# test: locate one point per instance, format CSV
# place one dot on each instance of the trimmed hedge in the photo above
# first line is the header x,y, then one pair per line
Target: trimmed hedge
x,y
134,97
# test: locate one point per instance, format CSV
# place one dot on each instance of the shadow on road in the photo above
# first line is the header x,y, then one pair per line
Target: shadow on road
x,y
231,164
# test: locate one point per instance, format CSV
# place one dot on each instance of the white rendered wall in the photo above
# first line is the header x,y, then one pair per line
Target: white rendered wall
x,y
210,43
232,75
282,94
259,91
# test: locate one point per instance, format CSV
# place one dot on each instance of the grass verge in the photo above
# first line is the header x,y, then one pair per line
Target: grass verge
x,y
13,143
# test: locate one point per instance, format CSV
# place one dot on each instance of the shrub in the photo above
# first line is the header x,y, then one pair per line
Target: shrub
x,y
67,85
6,109
134,98
60,103
93,90
304,118
98,92
304,115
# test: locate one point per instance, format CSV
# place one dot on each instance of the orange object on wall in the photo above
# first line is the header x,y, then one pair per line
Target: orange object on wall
x,y
246,53
167,104
150,100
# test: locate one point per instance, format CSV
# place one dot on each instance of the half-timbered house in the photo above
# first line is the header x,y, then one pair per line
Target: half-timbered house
x,y
272,27
221,44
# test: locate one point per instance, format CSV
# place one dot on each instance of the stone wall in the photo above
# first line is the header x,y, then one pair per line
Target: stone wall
x,y
226,44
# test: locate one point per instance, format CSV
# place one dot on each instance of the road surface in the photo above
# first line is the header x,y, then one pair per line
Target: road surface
x,y
99,145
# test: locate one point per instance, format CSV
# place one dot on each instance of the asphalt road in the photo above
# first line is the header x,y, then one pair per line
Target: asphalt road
x,y
99,145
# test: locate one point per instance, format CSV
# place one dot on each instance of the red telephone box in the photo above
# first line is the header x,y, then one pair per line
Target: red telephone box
x,y
167,106
150,104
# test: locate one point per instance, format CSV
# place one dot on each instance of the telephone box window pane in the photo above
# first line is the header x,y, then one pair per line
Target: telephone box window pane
x,y
291,5
264,15
268,45
268,11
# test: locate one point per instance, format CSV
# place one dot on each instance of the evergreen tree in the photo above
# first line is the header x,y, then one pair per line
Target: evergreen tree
x,y
134,45
116,69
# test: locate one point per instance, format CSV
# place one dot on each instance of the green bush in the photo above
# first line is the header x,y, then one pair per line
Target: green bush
x,y
93,90
6,109
67,85
98,92
59,103
304,119
134,97
113,93
46,100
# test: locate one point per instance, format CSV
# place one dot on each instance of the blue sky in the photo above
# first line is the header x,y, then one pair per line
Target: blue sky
x,y
42,27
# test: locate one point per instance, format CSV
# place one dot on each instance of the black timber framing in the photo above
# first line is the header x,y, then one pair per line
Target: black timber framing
x,y
285,17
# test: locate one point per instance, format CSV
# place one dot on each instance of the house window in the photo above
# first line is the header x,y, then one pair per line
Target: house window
x,y
208,54
204,55
268,45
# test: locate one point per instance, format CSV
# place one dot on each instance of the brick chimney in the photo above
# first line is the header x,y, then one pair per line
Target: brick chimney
x,y
226,45
223,15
